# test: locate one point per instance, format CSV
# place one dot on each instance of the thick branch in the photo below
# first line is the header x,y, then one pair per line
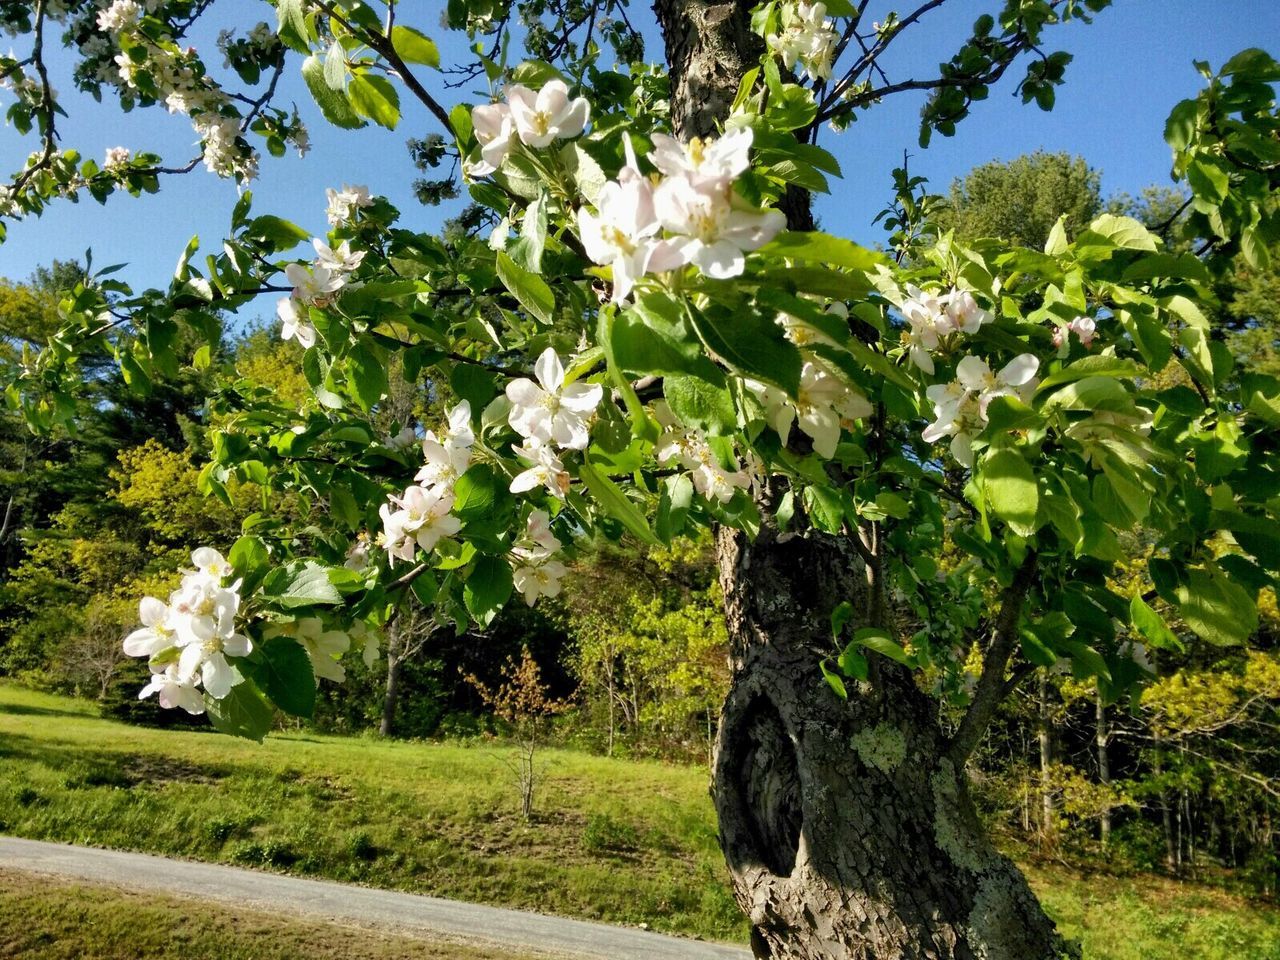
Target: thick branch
x,y
990,688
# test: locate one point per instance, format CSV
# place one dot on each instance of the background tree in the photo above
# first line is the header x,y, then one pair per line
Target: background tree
x,y
1020,201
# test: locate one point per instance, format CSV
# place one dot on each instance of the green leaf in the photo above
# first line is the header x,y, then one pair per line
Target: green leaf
x,y
1218,610
841,615
1151,626
287,676
368,375
250,560
412,46
853,663
374,97
752,344
300,584
833,680
818,247
487,589
334,104
478,494
653,337
528,288
1011,491
281,234
335,67
615,503
291,25
1095,366
825,508
878,639
1091,393
241,713
1123,232
1208,179
699,404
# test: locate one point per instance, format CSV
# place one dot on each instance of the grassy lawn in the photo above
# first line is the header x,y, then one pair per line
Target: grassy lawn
x,y
618,841
46,919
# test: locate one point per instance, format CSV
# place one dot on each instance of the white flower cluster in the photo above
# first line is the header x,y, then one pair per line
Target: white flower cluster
x,y
1085,329
825,404
189,639
183,88
960,407
318,286
807,37
534,119
324,647
933,318
116,157
549,414
345,202
537,573
419,517
706,223
689,448
261,40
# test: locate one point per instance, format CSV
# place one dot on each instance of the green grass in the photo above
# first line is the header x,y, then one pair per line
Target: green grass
x,y
618,841
429,818
46,919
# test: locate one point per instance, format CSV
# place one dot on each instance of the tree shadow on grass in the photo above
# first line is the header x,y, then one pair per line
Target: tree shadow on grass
x,y
23,710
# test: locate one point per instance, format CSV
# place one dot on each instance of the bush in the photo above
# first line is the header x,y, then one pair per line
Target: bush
x,y
604,834
122,703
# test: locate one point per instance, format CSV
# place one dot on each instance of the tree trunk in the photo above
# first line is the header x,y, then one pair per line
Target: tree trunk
x,y
391,698
1103,737
1044,730
847,827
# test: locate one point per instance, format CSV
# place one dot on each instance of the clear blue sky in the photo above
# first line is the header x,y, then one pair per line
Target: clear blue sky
x,y
1131,66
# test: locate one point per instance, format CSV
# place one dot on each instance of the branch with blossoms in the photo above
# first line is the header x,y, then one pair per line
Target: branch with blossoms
x,y
639,349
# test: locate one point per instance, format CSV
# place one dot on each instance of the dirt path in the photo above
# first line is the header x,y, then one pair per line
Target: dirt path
x,y
403,914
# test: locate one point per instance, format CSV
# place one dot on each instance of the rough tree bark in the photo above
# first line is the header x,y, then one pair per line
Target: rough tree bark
x,y
847,825
391,697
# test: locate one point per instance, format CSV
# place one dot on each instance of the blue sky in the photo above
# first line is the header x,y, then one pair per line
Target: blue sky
x,y
1131,66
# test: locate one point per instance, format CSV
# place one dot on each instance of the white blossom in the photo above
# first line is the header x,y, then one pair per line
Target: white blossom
x,y
551,410
1014,379
710,231
174,691
622,233
709,164
119,16
447,457
343,203
494,128
156,633
293,324
548,114
538,542
542,580
807,38
546,471
421,520
315,286
824,406
324,647
116,157
689,447
339,260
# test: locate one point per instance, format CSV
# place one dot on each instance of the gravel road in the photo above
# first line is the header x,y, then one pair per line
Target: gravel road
x,y
404,914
